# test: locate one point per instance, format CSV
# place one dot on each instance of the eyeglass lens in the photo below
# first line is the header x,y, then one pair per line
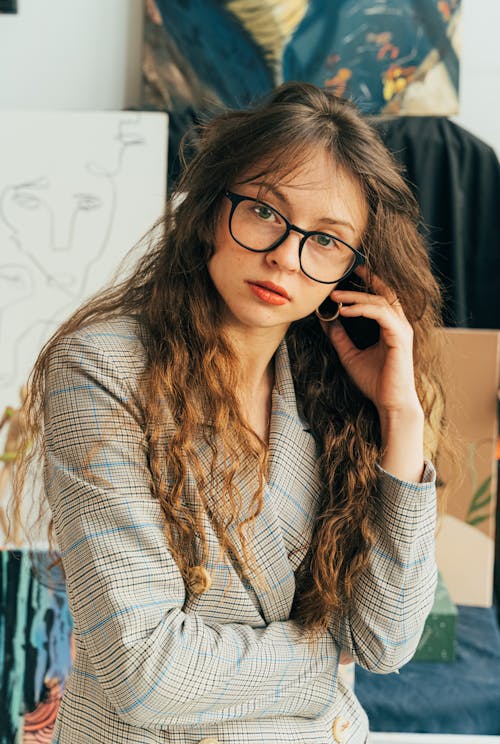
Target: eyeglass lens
x,y
258,226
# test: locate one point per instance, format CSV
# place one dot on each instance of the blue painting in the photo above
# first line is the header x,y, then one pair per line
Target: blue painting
x,y
388,56
36,645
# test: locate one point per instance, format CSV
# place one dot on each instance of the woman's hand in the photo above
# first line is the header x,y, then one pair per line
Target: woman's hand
x,y
384,373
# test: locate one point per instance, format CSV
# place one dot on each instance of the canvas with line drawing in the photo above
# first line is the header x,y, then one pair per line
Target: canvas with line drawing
x,y
77,190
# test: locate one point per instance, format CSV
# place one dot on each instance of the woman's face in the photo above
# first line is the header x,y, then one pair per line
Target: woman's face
x,y
319,196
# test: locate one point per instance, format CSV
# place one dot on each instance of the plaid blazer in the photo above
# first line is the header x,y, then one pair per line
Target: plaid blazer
x,y
157,663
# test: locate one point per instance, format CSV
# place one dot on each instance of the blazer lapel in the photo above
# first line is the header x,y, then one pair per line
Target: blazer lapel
x,y
293,474
280,535
283,529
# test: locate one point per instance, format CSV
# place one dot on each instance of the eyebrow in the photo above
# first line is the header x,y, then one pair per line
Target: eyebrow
x,y
280,195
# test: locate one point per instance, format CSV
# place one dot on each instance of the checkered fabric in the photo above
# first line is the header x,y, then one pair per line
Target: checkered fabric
x,y
156,664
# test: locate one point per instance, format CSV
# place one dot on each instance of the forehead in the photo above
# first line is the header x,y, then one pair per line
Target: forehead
x,y
318,184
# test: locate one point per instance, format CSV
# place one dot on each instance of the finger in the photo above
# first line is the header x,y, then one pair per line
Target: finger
x,y
396,303
350,296
385,316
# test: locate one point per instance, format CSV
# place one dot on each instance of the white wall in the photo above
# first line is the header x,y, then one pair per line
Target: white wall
x,y
480,71
71,54
85,54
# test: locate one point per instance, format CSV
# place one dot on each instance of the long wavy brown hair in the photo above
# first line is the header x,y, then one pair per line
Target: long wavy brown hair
x,y
191,364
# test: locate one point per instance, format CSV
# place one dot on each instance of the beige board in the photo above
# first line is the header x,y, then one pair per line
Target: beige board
x,y
466,531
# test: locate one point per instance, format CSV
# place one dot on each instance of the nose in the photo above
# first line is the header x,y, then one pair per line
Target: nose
x,y
60,227
286,255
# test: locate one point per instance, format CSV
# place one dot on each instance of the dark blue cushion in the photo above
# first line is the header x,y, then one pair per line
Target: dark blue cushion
x,y
461,697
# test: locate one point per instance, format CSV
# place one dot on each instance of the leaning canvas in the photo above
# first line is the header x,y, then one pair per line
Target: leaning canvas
x,y
77,190
465,545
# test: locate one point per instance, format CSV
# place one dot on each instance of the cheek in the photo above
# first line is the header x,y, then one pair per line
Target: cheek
x,y
315,295
224,267
213,267
228,256
223,246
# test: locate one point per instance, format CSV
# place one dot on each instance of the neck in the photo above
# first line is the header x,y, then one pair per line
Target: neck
x,y
255,349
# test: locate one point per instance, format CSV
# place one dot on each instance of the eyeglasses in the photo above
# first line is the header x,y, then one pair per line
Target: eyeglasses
x,y
260,228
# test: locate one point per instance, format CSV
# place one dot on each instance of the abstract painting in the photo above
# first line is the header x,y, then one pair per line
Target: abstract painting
x,y
36,645
388,56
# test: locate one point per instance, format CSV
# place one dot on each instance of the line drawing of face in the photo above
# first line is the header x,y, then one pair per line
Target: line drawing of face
x,y
16,284
56,233
50,236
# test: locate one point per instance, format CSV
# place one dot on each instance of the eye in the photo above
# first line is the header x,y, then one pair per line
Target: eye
x,y
88,202
27,200
325,241
264,212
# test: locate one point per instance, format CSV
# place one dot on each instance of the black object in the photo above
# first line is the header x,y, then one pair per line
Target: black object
x,y
288,227
456,180
8,6
363,332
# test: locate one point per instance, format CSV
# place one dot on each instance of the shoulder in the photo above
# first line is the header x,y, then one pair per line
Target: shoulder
x,y
122,335
115,346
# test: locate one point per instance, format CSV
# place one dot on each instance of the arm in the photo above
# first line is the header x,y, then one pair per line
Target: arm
x,y
395,593
158,665
393,597
402,434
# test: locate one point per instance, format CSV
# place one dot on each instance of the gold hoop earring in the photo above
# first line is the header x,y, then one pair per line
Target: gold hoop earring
x,y
330,317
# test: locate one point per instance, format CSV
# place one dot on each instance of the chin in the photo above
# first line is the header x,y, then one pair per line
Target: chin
x,y
257,318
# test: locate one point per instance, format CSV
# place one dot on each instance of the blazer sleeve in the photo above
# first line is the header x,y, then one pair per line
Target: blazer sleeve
x,y
158,665
394,595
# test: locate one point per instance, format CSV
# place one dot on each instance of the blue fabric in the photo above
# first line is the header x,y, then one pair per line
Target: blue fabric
x,y
462,697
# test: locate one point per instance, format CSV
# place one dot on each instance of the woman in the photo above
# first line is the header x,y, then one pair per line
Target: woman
x,y
239,493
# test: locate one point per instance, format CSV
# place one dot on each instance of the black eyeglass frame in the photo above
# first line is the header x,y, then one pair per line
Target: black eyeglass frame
x,y
235,199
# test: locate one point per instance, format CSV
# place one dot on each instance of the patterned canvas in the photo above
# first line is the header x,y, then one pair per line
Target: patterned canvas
x,y
35,645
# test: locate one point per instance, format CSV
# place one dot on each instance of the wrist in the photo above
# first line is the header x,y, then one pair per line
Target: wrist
x,y
409,413
402,442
